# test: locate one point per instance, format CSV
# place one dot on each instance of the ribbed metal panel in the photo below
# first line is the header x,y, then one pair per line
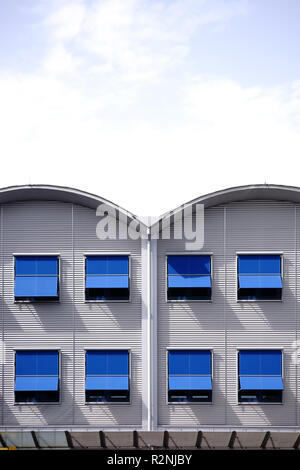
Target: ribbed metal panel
x,y
71,324
295,352
38,227
261,226
106,325
225,324
193,325
2,345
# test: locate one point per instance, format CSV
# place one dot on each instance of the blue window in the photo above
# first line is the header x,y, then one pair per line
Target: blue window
x,y
37,278
107,376
37,376
189,376
259,277
107,278
260,376
189,277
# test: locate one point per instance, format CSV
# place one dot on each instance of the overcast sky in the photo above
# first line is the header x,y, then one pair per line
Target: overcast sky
x,y
149,103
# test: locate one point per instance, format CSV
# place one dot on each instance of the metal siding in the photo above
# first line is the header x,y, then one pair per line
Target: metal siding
x,y
193,325
225,324
295,354
106,325
38,227
222,325
2,345
261,226
71,324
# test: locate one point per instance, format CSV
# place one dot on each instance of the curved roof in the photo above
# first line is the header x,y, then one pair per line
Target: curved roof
x,y
75,196
43,192
241,193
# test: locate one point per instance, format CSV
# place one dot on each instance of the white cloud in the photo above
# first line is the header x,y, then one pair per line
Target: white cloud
x,y
103,112
61,62
65,21
222,138
136,40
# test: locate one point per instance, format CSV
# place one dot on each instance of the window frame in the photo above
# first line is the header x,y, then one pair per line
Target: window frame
x,y
108,403
189,403
250,253
193,253
86,255
21,403
251,348
58,299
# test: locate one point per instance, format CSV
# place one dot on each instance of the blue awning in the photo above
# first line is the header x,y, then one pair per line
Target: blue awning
x,y
107,363
189,281
260,362
190,383
36,286
259,264
106,383
36,384
107,264
106,282
189,362
36,265
260,282
261,383
37,363
189,264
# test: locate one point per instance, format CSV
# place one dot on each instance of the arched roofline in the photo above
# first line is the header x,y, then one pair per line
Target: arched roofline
x,y
43,192
274,192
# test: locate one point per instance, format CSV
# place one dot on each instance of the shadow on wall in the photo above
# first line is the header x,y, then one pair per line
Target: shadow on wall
x,y
114,414
41,415
239,316
126,316
225,410
75,412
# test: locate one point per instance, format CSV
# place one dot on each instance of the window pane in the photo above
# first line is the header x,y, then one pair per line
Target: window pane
x,y
18,439
52,439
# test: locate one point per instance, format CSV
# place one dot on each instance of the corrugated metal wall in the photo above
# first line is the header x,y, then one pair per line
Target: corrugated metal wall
x,y
72,324
225,324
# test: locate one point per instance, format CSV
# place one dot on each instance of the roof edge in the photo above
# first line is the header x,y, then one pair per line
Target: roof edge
x,y
240,193
48,192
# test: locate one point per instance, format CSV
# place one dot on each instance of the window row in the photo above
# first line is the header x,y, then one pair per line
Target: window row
x,y
189,277
37,376
37,278
190,376
259,277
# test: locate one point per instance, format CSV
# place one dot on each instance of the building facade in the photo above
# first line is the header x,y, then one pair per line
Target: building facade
x,y
123,336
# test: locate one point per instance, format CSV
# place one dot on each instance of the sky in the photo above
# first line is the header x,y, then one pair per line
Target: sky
x,y
149,103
